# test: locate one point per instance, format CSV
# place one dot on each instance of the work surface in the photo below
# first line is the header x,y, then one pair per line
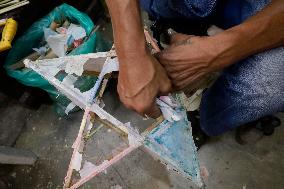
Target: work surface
x,y
231,166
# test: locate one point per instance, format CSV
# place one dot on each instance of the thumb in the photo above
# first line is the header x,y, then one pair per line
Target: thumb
x,y
177,38
165,86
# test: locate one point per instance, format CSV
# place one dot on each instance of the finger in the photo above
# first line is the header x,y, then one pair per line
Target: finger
x,y
175,70
165,87
158,56
154,111
183,74
170,55
167,58
162,60
143,106
125,102
188,81
178,38
183,67
177,77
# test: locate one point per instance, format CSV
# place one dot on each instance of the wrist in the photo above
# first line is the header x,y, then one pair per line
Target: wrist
x,y
228,48
135,58
139,65
131,52
240,41
130,46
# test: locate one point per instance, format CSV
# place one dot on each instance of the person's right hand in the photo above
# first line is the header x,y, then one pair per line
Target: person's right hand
x,y
140,80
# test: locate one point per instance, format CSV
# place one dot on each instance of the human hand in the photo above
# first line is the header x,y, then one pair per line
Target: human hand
x,y
140,80
190,58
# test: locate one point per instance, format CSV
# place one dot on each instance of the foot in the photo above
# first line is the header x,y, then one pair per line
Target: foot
x,y
254,131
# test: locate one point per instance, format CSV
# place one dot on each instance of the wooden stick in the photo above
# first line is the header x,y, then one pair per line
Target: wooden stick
x,y
157,122
104,166
103,88
160,119
6,9
150,40
88,136
107,123
76,148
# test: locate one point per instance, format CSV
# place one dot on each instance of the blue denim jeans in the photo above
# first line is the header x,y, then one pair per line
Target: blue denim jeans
x,y
246,91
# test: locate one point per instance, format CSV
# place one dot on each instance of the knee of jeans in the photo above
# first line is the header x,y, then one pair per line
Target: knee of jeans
x,y
212,119
209,129
245,92
213,127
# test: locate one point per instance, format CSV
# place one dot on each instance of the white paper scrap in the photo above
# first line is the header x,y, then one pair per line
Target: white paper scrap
x,y
76,164
58,44
132,136
110,66
76,31
87,169
69,80
70,107
76,67
48,32
168,111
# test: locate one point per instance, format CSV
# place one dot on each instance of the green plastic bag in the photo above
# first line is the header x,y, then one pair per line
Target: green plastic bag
x,y
32,38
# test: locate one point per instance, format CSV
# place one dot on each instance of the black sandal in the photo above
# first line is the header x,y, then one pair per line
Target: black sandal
x,y
268,125
265,127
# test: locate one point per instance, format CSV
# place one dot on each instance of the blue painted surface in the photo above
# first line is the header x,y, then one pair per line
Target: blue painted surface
x,y
173,142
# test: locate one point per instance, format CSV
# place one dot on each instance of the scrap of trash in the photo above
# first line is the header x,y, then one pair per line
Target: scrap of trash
x,y
60,38
63,32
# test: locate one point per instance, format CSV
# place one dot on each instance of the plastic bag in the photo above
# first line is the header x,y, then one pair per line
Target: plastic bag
x,y
24,45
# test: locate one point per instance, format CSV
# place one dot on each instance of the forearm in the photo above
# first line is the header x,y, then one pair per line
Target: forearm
x,y
261,32
128,29
137,69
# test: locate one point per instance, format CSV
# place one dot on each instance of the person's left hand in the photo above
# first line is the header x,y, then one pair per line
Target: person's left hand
x,y
189,58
